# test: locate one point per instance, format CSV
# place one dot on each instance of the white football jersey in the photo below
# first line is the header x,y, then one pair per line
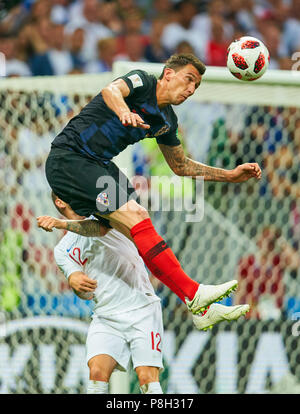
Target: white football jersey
x,y
112,260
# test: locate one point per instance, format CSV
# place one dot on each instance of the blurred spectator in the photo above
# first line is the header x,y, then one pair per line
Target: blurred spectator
x,y
155,52
75,46
106,56
14,20
216,54
110,18
60,11
237,34
60,58
164,26
86,15
13,65
125,7
272,39
40,9
132,24
282,166
35,41
183,30
261,274
160,8
44,42
184,47
202,22
280,12
134,49
291,29
243,15
33,146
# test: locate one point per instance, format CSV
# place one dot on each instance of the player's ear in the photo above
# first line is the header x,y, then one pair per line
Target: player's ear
x,y
60,204
169,73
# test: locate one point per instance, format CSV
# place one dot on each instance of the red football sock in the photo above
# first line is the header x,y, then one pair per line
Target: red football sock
x,y
161,261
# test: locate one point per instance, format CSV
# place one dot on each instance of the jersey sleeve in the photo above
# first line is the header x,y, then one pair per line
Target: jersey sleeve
x,y
138,81
169,139
65,263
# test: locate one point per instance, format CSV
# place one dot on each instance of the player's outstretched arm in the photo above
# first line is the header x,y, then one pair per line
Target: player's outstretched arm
x,y
88,228
113,96
184,166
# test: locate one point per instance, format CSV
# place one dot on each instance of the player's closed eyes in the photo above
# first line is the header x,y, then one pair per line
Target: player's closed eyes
x,y
190,79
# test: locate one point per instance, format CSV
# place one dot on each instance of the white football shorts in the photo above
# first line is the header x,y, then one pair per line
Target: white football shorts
x,y
136,335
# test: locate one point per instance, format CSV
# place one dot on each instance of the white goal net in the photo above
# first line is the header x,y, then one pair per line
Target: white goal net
x,y
249,231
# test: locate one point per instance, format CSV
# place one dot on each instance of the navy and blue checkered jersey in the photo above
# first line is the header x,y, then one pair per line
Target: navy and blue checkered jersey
x,y
98,133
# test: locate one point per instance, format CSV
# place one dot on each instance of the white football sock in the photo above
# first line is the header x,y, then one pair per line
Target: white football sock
x,y
151,388
97,387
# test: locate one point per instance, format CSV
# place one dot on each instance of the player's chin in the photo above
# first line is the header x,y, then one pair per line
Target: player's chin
x,y
179,100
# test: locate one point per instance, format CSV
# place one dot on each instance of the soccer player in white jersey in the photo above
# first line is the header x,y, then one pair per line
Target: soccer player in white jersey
x,y
124,286
127,317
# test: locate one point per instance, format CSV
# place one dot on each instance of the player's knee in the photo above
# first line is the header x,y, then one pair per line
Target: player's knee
x,y
138,211
147,375
130,214
99,373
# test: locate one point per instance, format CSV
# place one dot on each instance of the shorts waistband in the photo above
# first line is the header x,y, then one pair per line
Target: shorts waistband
x,y
61,152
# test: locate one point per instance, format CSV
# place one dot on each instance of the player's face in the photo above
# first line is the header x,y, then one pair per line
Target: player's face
x,y
183,84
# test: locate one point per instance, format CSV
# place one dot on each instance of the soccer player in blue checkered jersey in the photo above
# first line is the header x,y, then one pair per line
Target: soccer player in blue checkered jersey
x,y
131,108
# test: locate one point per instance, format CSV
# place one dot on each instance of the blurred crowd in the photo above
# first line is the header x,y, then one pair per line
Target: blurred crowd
x,y
57,37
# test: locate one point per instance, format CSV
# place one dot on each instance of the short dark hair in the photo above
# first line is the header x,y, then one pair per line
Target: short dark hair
x,y
178,61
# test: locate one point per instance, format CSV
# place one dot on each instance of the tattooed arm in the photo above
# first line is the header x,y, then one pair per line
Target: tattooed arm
x,y
88,228
184,166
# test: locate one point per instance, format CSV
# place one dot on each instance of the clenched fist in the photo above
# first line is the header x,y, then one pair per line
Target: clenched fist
x,y
244,172
48,223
